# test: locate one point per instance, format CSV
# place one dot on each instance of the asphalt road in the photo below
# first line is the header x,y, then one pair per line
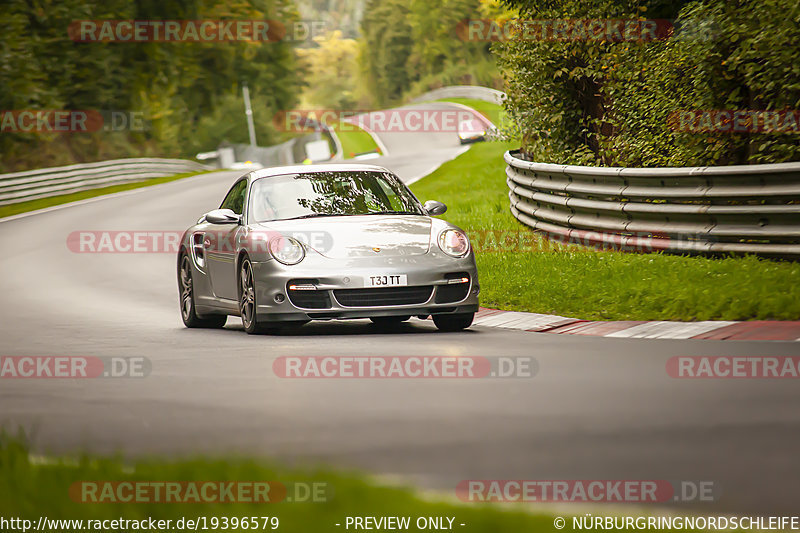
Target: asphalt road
x,y
599,408
413,155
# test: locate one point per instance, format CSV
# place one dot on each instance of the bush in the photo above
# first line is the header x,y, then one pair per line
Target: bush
x,y
178,87
410,47
611,103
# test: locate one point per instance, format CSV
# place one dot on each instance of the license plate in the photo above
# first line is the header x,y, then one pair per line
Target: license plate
x,y
386,280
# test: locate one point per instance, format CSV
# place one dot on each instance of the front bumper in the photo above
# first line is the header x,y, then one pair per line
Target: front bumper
x,y
428,270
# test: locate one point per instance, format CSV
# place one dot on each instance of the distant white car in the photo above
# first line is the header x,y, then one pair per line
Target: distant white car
x,y
368,155
471,130
246,165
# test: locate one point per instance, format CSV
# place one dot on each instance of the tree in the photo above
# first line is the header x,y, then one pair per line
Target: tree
x,y
332,68
177,86
608,102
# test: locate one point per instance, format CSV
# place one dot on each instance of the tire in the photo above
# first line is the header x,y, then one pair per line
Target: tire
x,y
188,309
247,299
455,322
388,321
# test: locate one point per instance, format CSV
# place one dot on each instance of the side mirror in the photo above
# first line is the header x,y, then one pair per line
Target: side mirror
x,y
433,208
222,216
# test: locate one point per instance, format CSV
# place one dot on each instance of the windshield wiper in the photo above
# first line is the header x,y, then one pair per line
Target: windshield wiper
x,y
313,215
392,213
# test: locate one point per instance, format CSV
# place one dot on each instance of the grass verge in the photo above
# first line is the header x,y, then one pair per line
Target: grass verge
x,y
30,489
494,112
355,141
532,274
41,203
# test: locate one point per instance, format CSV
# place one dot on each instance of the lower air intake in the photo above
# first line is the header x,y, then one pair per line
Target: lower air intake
x,y
383,296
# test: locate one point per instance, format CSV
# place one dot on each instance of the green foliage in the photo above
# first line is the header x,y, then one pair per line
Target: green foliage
x,y
354,140
185,90
332,68
751,61
480,71
408,47
227,122
494,112
34,486
385,48
610,103
342,15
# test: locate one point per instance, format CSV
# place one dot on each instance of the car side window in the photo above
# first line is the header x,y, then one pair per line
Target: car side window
x,y
235,198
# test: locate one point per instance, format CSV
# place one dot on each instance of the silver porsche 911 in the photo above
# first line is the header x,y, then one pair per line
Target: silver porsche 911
x,y
294,244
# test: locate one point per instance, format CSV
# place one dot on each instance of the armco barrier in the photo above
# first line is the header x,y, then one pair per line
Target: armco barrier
x,y
476,92
41,183
699,210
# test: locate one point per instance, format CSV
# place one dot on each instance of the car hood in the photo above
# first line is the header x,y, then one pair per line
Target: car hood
x,y
359,236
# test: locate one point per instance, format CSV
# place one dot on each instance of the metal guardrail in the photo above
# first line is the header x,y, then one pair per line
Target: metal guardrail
x,y
290,152
692,210
45,182
475,92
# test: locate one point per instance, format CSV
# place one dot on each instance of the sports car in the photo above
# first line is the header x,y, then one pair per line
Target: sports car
x,y
293,244
470,131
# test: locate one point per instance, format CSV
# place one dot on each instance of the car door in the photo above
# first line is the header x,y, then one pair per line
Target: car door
x,y
221,241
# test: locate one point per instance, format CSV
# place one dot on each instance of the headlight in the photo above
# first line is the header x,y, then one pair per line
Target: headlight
x,y
287,250
454,242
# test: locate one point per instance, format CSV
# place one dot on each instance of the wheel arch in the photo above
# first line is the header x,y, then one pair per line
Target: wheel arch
x,y
240,257
182,252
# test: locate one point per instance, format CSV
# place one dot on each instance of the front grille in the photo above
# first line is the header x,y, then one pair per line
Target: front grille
x,y
383,296
311,299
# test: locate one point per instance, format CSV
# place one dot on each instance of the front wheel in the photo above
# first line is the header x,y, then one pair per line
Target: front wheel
x,y
247,299
454,322
188,312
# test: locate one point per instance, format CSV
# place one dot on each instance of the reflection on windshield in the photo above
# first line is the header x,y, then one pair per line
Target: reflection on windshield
x,y
332,193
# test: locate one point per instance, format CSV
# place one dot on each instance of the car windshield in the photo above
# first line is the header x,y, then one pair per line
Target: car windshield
x,y
335,193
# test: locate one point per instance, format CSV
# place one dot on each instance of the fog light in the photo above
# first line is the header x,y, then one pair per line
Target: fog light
x,y
303,287
279,298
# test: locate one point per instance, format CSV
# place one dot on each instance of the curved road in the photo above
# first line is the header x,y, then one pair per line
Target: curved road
x,y
599,408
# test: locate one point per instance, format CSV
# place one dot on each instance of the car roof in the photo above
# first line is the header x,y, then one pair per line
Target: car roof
x,y
305,169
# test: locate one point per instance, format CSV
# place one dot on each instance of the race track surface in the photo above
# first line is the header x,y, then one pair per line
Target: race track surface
x,y
599,408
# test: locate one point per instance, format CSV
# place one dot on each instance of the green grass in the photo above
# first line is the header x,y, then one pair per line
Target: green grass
x,y
580,282
33,488
41,203
354,140
494,112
